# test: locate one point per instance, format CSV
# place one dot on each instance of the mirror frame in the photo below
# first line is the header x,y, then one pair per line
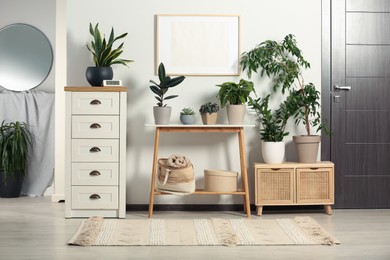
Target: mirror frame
x,y
49,65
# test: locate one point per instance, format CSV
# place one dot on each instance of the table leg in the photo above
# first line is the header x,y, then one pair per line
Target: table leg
x,y
154,171
244,175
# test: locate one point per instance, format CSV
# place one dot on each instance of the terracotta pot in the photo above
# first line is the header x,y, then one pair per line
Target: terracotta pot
x,y
307,147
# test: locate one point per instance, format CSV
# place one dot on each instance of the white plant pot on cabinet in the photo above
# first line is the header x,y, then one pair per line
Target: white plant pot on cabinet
x,y
273,152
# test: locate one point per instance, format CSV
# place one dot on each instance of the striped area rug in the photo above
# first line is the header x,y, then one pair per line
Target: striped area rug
x,y
97,231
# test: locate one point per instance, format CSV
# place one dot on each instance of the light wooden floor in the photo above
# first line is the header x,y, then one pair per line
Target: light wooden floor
x,y
35,228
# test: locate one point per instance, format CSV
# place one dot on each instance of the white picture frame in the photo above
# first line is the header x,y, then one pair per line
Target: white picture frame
x,y
198,45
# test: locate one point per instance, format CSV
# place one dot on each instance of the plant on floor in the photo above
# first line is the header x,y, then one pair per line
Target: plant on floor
x,y
166,82
103,52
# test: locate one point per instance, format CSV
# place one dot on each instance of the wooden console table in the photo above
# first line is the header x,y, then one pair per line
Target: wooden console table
x,y
244,191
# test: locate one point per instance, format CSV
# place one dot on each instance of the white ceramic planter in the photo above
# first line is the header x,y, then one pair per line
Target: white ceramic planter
x,y
273,152
236,114
162,115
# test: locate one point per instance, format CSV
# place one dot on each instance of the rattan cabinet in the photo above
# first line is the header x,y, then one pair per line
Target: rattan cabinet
x,y
294,184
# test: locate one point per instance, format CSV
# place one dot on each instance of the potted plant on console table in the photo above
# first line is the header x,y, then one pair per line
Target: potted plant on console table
x,y
104,55
162,112
234,96
283,63
209,113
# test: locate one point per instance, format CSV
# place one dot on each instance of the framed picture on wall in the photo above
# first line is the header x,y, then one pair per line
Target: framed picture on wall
x,y
198,45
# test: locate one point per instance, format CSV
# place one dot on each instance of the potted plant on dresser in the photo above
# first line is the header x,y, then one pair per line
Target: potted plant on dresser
x,y
162,112
283,63
209,113
15,144
187,116
104,55
272,127
234,96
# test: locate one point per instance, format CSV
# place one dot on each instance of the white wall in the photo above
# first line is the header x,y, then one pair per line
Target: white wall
x,y
38,13
261,20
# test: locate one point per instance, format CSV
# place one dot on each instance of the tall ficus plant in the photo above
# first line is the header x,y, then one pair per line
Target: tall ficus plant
x,y
283,63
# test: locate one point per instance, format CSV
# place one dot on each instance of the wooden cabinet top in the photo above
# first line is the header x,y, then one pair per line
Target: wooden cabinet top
x,y
294,165
96,89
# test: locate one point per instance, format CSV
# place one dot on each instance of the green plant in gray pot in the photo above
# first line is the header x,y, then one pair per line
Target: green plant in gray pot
x,y
187,116
209,113
15,145
104,55
234,96
283,63
162,112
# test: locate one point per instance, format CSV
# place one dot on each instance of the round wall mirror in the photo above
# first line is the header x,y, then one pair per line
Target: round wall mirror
x,y
26,57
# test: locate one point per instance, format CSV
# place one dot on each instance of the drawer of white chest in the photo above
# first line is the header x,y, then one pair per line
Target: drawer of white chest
x,y
95,173
95,150
95,126
95,197
95,103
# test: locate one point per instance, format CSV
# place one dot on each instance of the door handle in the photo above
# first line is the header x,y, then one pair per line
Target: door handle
x,y
337,87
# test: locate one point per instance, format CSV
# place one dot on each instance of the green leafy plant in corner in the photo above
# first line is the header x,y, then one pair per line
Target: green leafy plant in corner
x,y
283,63
209,107
187,111
272,123
166,82
104,54
15,142
235,93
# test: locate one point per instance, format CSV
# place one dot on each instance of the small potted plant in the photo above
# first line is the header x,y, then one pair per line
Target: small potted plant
x,y
162,112
15,144
209,113
283,63
104,55
187,116
234,96
272,127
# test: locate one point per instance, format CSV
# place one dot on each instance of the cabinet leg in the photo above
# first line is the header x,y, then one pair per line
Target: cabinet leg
x,y
259,210
328,209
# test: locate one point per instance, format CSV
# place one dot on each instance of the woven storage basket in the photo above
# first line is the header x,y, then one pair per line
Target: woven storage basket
x,y
180,181
220,181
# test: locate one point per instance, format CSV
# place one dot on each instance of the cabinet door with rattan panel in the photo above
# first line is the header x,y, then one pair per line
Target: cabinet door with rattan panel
x,y
274,186
315,185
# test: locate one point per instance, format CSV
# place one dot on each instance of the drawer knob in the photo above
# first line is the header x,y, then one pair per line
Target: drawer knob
x,y
95,125
95,102
94,173
95,149
94,197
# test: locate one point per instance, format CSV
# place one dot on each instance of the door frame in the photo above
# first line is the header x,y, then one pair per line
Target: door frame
x,y
326,76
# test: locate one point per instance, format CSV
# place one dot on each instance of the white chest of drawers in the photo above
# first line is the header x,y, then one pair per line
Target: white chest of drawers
x,y
95,160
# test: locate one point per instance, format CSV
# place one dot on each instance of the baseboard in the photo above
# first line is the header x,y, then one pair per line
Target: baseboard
x,y
222,207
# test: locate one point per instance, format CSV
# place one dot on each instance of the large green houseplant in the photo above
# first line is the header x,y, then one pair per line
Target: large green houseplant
x,y
234,96
15,144
104,55
283,63
162,112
